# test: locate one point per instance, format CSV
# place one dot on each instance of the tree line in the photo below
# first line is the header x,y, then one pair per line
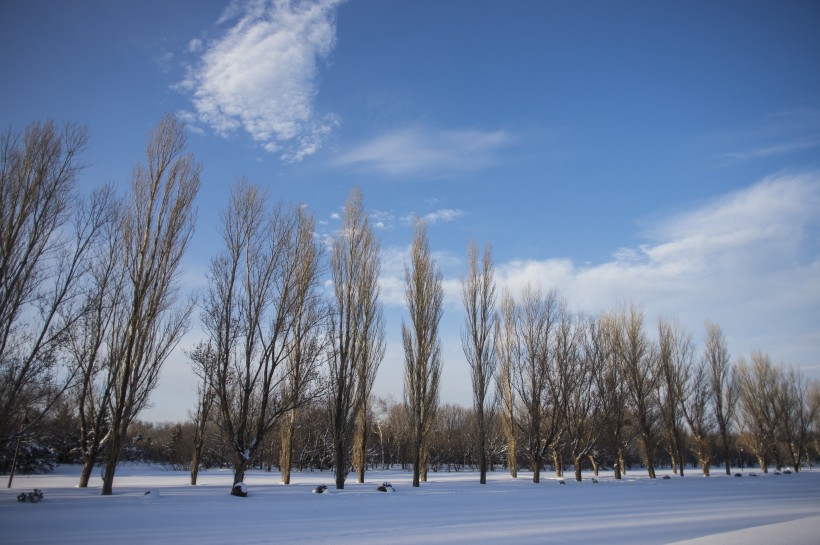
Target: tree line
x,y
293,335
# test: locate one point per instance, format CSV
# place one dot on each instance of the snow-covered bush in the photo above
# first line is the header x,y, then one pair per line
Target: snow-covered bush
x,y
239,489
319,489
385,487
30,497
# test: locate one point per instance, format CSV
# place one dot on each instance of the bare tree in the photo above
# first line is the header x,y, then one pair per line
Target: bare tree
x,y
758,384
157,227
354,269
639,371
796,414
478,343
422,346
256,308
44,239
372,345
675,356
612,391
307,341
203,360
584,417
723,387
699,413
562,383
508,352
537,319
89,344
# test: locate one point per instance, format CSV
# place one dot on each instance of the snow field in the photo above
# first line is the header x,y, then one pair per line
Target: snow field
x,y
450,508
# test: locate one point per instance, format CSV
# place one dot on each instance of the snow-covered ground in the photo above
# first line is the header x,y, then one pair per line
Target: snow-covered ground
x,y
450,508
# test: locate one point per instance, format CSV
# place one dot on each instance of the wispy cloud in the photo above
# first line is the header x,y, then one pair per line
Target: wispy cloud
x,y
749,261
783,133
775,149
261,75
443,215
425,151
381,219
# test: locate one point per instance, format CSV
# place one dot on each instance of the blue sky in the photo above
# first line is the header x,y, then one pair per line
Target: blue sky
x,y
662,153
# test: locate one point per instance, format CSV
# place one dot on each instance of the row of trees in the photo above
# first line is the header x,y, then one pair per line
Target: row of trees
x,y
89,285
452,445
90,309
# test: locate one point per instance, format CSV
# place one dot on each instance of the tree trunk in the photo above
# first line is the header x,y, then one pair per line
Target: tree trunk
x,y
85,473
578,468
648,460
110,468
196,457
594,463
340,465
286,449
239,471
360,444
535,465
512,458
416,462
620,467
424,455
482,452
761,461
727,456
195,465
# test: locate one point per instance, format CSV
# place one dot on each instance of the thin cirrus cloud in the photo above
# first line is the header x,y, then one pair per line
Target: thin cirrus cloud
x,y
749,261
783,133
261,75
426,151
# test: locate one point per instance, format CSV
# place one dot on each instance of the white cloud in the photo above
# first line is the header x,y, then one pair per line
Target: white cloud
x,y
750,261
436,216
445,215
335,216
391,280
261,76
418,150
381,219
